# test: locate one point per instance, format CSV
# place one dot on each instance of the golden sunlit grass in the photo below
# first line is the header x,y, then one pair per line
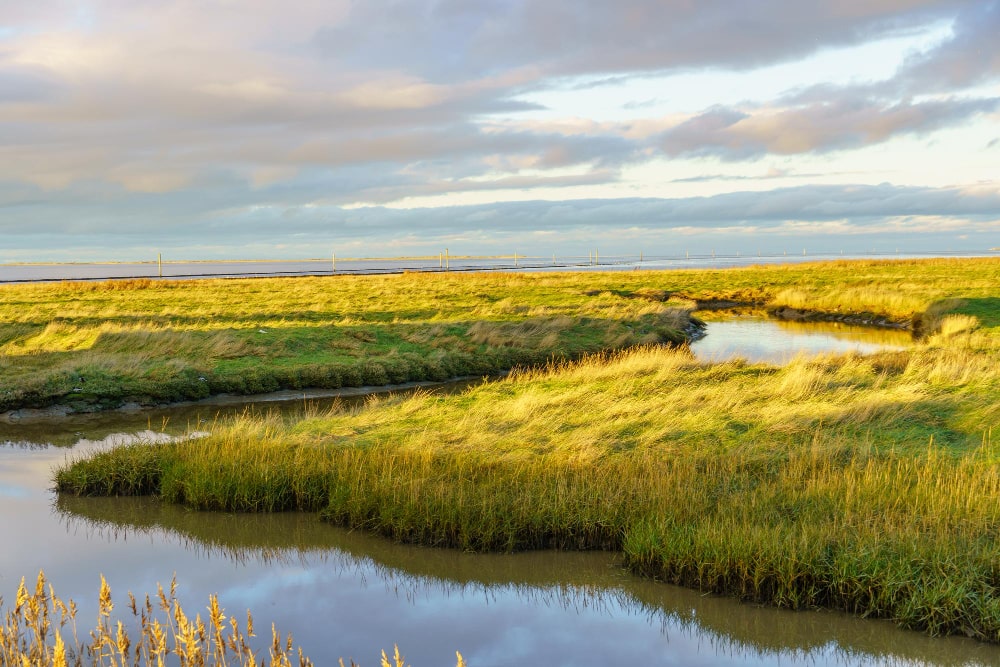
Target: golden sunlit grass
x,y
867,484
98,345
862,483
41,630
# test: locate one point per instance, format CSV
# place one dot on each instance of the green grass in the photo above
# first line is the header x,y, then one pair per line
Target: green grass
x,y
98,345
93,346
868,484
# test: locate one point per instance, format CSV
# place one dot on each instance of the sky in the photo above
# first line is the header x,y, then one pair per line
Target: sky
x,y
237,129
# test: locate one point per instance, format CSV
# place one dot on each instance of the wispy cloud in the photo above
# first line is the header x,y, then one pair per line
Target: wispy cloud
x,y
819,127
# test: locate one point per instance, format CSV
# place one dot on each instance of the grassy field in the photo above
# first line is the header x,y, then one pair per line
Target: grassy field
x,y
93,346
865,484
98,345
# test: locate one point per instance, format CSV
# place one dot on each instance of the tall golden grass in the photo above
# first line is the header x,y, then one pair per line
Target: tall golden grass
x,y
861,483
41,631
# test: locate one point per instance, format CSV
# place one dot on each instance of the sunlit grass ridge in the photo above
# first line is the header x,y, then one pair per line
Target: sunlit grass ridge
x,y
98,345
815,484
868,484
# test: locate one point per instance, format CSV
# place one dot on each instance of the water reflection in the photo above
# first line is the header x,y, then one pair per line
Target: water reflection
x,y
29,428
563,589
761,340
350,594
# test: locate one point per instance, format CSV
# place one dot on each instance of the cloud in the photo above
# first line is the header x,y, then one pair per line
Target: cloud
x,y
824,118
173,119
819,127
20,84
206,225
469,38
151,97
970,57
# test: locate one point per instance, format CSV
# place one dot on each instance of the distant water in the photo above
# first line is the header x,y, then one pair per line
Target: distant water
x,y
15,273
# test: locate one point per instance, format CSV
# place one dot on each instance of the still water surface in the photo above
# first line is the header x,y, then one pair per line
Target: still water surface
x,y
348,594
756,339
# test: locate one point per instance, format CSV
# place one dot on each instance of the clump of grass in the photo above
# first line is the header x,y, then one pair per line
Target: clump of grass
x,y
878,300
952,325
807,485
41,629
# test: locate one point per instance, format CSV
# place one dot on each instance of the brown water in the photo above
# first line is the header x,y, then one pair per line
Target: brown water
x,y
344,593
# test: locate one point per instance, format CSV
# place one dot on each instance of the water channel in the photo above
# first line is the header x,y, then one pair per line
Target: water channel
x,y
344,593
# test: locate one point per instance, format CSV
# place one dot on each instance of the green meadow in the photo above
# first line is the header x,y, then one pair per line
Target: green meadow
x,y
98,345
867,484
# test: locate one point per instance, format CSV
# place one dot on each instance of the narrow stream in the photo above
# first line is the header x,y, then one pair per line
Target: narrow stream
x,y
344,593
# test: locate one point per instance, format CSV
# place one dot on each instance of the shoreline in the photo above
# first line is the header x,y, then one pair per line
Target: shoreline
x,y
645,257
55,412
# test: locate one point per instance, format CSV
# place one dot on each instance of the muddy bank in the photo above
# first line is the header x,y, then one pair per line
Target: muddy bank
x,y
789,314
34,415
861,319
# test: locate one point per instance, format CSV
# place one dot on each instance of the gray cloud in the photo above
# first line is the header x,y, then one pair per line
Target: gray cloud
x,y
840,123
826,117
468,38
146,222
25,84
122,121
970,57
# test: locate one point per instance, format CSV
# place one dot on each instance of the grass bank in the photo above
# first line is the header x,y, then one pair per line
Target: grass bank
x,y
93,346
869,485
864,484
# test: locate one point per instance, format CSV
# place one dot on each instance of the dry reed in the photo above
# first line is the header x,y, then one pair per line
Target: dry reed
x,y
41,631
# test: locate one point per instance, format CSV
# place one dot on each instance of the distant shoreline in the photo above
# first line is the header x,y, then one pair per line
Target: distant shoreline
x,y
519,256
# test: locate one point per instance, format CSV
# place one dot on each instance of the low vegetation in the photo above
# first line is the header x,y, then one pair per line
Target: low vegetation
x,y
94,346
99,345
868,484
41,630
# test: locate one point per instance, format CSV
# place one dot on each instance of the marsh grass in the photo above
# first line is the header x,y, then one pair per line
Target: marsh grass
x,y
41,630
93,346
867,484
98,345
